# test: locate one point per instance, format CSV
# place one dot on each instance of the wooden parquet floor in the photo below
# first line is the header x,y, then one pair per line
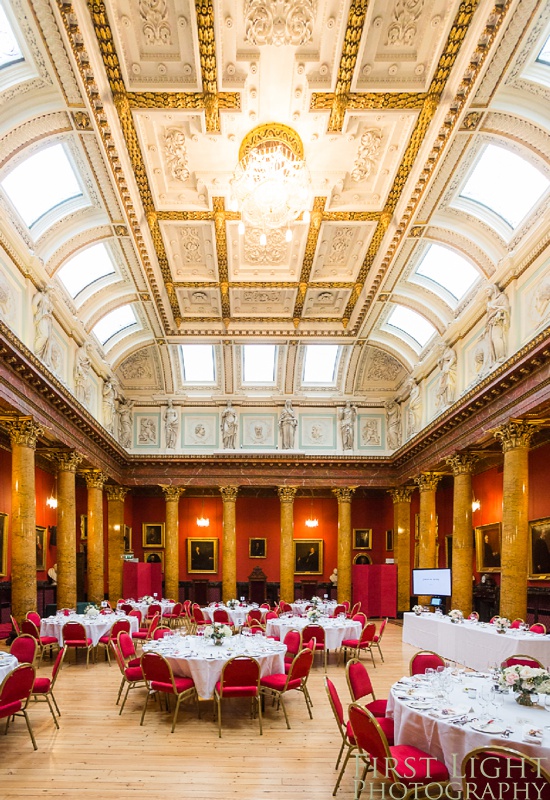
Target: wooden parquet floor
x,y
98,755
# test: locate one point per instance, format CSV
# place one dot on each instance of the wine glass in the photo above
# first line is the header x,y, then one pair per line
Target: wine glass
x,y
497,699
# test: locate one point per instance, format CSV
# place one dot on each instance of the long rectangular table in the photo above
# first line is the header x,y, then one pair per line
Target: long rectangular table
x,y
474,644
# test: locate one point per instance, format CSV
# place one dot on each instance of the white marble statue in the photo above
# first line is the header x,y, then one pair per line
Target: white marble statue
x,y
82,367
493,345
347,417
414,410
125,422
287,426
171,422
42,308
229,425
446,382
109,408
393,424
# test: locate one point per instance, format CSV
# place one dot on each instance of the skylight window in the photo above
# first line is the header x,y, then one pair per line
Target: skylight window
x,y
544,55
85,268
320,363
412,324
259,363
9,49
198,363
505,183
41,182
114,322
448,269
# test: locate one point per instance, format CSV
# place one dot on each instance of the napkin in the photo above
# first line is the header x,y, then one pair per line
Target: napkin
x,y
531,734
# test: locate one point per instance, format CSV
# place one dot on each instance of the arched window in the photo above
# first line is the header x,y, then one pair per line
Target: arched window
x,y
416,327
85,268
114,322
449,270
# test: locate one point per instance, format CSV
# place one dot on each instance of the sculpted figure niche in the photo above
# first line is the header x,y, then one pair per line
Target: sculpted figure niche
x,y
171,425
109,408
42,308
229,427
287,426
446,382
125,422
414,411
82,367
493,344
393,424
347,417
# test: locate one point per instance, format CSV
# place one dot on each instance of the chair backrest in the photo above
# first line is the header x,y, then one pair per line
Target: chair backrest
x,y
474,616
522,661
382,628
240,671
285,607
255,627
29,627
492,620
301,666
127,608
293,641
370,738
271,615
367,634
425,659
359,682
516,623
74,631
161,632
312,644
355,610
118,655
176,611
360,617
17,685
538,627
346,605
187,608
198,616
487,770
15,624
254,615
24,648
125,644
57,665
313,632
154,608
135,612
266,606
34,616
156,668
119,626
154,624
335,703
221,615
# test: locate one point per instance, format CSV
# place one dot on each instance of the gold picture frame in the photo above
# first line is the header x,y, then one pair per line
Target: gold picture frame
x,y
362,559
41,546
127,532
362,538
308,556
488,540
154,557
202,555
152,534
539,549
83,527
389,540
257,548
4,518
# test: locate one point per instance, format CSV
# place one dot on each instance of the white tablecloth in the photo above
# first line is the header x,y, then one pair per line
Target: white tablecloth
x,y
474,644
450,742
193,657
236,615
144,607
300,606
95,627
7,664
336,630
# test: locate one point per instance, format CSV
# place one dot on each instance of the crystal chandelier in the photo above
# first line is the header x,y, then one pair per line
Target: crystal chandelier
x,y
271,184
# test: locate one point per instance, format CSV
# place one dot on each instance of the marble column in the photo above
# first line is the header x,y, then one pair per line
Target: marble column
x,y
515,438
67,464
229,543
427,553
286,580
463,541
172,496
115,540
402,543
344,542
24,433
96,580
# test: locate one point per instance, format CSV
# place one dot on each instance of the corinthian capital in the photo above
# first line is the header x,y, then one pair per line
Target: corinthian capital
x,y
344,493
402,494
427,481
24,431
515,434
95,479
287,493
116,492
68,461
229,493
461,463
172,493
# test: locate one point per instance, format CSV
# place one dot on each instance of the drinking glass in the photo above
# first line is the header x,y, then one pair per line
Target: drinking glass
x,y
430,675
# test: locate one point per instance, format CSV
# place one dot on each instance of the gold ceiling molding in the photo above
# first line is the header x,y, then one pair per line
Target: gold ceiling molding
x,y
221,250
185,100
309,255
272,132
366,101
352,40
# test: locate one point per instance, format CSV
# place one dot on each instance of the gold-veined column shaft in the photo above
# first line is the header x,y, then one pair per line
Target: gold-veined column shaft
x,y
229,557
286,580
115,539
67,464
172,496
24,433
96,572
402,543
427,486
463,544
344,542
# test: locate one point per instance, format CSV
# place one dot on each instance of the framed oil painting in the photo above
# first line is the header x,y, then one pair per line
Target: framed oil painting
x,y
539,550
152,534
362,538
3,544
257,548
202,555
41,544
362,558
308,556
488,547
154,557
127,538
83,526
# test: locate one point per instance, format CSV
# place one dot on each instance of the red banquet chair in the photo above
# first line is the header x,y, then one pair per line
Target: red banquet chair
x,y
265,606
516,623
425,659
356,609
254,615
43,687
285,608
378,637
132,677
318,633
360,687
127,650
240,678
15,624
538,627
160,678
364,642
339,609
152,611
293,642
360,617
74,635
119,626
15,691
127,608
489,770
28,627
174,617
276,686
146,634
199,619
34,616
474,616
221,615
24,648
522,661
401,764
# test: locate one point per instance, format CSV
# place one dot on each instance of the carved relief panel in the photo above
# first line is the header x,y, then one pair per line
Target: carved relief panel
x,y
277,260
191,250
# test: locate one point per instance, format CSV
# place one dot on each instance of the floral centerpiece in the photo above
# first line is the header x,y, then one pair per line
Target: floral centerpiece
x,y
313,615
315,601
501,624
147,599
417,610
232,603
91,610
526,681
455,615
217,632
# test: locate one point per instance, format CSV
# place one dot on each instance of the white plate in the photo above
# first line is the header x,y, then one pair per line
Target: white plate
x,y
453,712
494,727
419,704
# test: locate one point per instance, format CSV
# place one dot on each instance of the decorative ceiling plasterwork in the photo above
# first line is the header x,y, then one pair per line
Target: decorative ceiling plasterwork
x,y
279,22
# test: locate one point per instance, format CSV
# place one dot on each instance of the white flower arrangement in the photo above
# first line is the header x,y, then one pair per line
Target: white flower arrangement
x,y
315,601
417,610
501,624
232,603
455,615
313,615
147,599
525,680
91,610
217,632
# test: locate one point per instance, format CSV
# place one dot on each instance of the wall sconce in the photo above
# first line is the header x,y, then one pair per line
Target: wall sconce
x,y
202,521
476,504
51,501
312,522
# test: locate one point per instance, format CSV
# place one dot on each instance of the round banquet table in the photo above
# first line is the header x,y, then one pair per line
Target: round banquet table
x,y
447,738
95,627
166,606
236,615
336,630
7,664
301,606
200,659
